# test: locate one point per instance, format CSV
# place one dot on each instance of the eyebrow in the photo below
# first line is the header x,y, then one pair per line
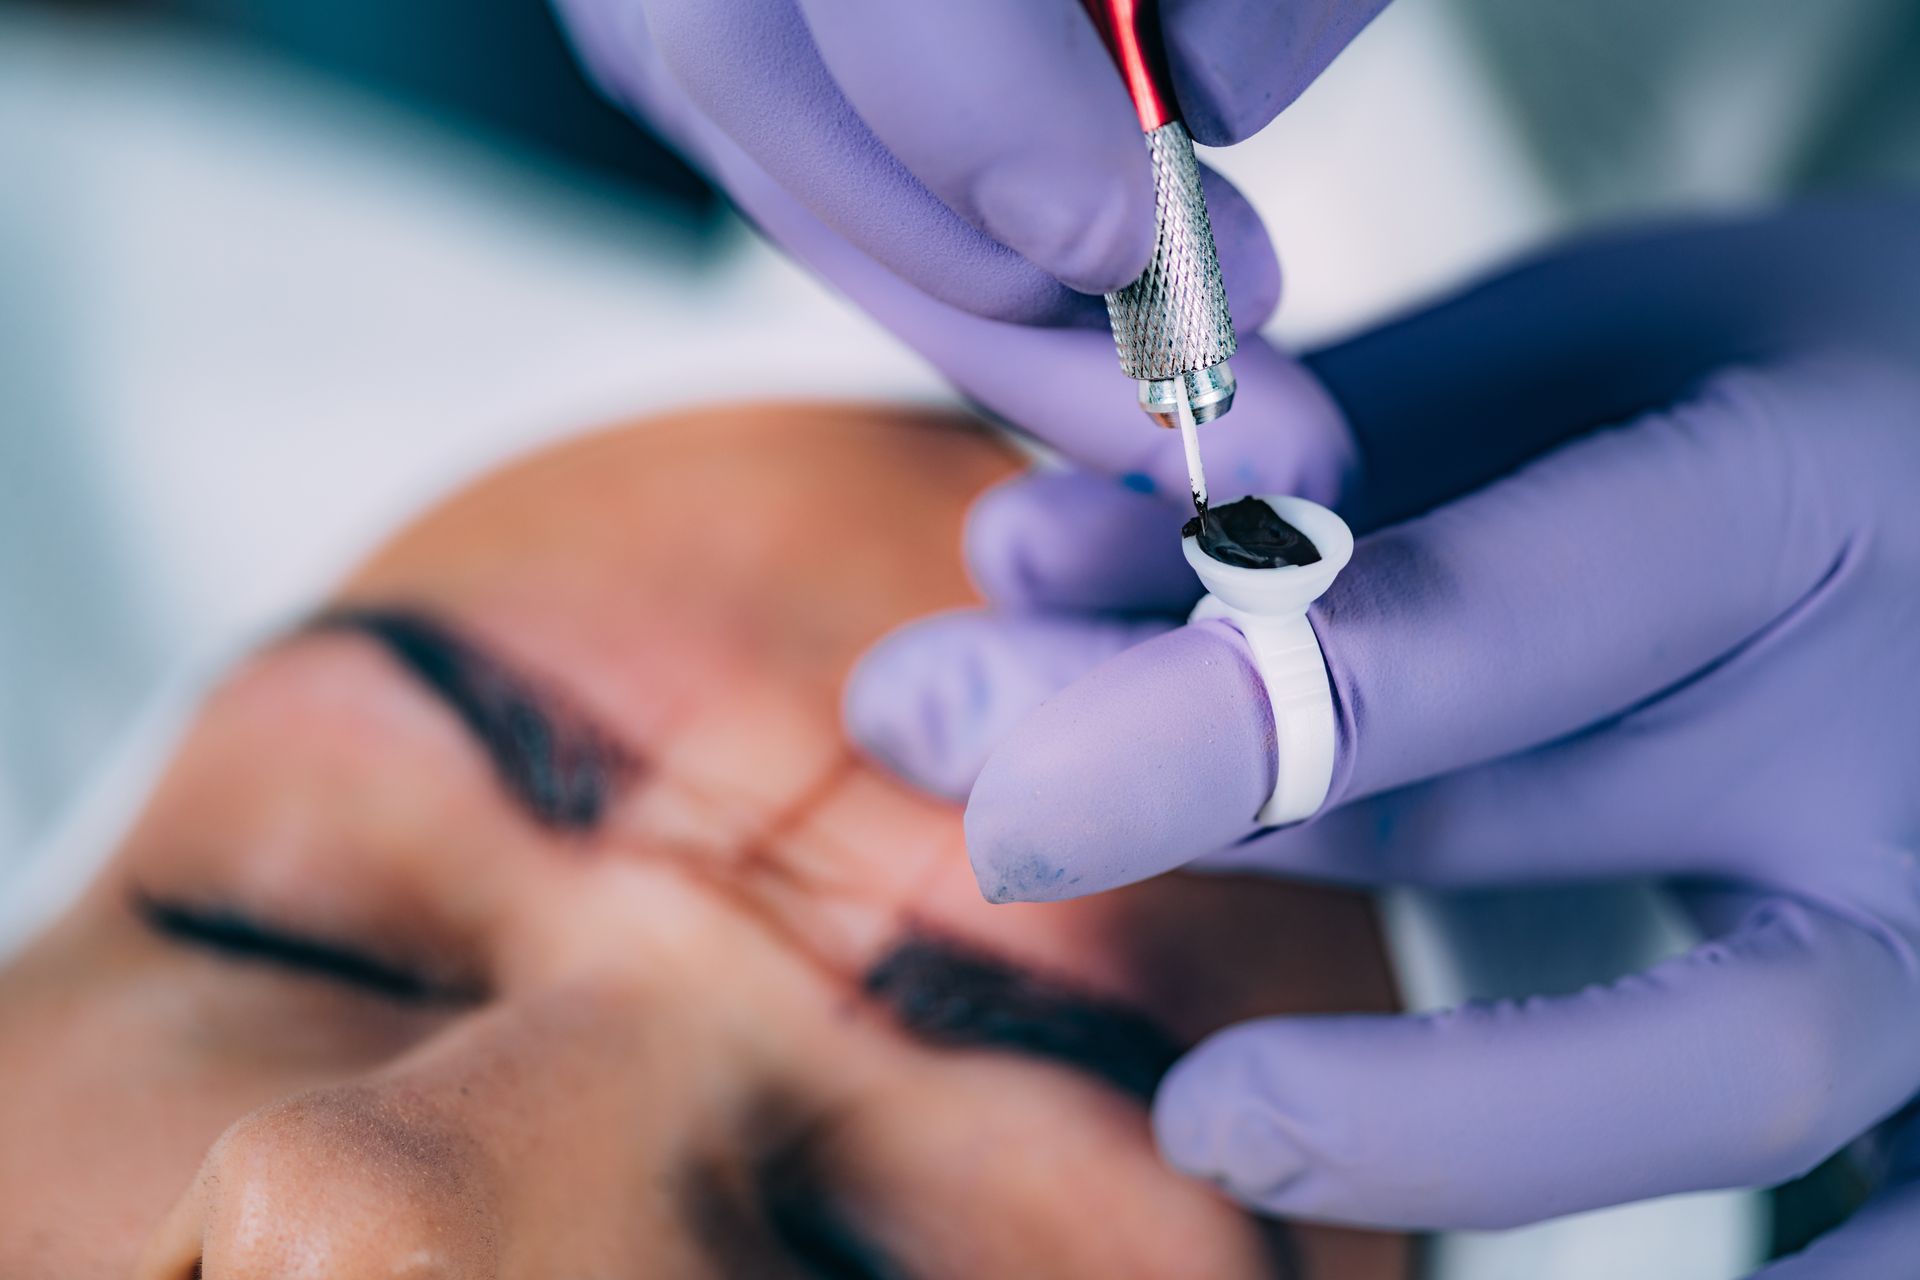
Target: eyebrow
x,y
953,996
561,767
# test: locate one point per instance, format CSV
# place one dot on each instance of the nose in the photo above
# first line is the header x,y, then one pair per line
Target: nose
x,y
345,1184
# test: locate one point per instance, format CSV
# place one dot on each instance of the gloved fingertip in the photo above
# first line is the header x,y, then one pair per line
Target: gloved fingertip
x,y
1219,101
932,698
1080,543
1212,1121
1235,67
1093,235
998,539
1156,756
915,703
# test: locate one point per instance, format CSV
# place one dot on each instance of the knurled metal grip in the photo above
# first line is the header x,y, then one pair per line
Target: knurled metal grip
x,y
1173,322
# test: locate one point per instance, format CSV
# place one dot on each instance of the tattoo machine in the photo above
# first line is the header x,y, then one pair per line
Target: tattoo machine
x,y
1171,327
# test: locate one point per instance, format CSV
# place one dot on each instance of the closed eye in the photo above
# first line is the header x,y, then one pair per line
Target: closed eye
x,y
236,936
818,1235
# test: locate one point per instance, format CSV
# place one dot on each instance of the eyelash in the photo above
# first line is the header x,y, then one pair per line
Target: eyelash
x,y
232,934
809,1221
826,1244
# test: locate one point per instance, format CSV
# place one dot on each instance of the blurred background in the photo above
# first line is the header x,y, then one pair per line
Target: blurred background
x,y
274,272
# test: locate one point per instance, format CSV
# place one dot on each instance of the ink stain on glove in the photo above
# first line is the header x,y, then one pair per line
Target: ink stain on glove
x,y
1250,534
1027,879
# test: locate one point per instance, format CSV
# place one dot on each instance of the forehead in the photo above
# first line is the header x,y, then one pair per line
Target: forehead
x,y
790,536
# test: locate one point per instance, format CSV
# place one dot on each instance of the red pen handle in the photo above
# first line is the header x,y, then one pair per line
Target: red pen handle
x,y
1131,30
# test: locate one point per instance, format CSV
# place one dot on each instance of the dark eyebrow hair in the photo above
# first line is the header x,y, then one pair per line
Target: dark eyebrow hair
x,y
559,765
951,995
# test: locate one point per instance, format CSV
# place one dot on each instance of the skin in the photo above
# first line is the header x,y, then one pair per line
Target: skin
x,y
617,1027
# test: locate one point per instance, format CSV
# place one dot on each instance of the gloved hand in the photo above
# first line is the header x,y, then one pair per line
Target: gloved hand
x,y
1686,645
974,176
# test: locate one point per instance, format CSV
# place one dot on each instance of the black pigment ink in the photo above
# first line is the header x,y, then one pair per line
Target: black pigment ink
x,y
1250,534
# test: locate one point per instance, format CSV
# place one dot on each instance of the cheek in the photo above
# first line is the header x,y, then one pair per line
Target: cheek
x,y
106,1115
122,1059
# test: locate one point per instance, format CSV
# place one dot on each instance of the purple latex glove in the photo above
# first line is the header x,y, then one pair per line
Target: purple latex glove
x,y
972,174
1686,645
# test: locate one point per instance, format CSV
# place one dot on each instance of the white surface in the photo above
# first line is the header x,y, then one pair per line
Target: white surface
x,y
249,322
85,835
1395,176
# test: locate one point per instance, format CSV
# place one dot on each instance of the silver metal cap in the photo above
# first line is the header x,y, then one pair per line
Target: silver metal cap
x,y
1209,391
1174,320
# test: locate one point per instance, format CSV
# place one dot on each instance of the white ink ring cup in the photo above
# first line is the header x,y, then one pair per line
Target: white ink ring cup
x,y
1269,608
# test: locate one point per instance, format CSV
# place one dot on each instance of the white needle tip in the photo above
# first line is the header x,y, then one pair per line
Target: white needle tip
x,y
1190,439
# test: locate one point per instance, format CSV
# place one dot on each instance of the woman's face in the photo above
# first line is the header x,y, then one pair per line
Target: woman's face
x,y
526,915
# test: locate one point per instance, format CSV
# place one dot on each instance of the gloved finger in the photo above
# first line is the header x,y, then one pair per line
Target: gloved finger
x,y
1159,753
1237,64
1742,1063
1051,550
1444,401
751,69
1070,541
1013,114
931,699
1600,805
1064,386
1591,580
1882,1237
612,43
1580,587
